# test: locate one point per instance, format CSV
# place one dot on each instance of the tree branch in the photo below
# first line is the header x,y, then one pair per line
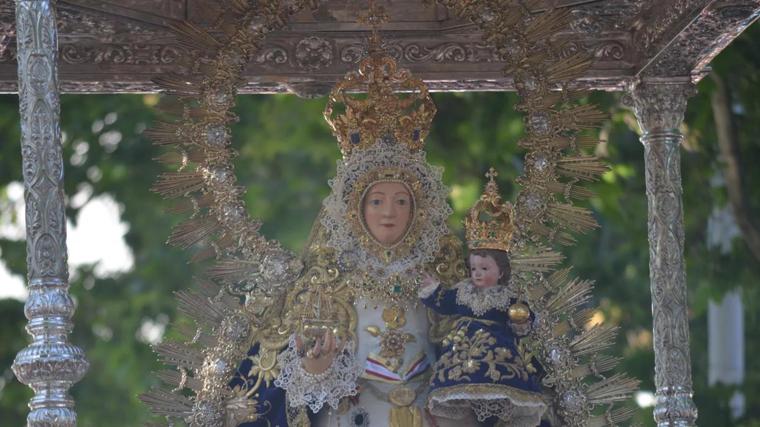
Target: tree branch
x,y
732,172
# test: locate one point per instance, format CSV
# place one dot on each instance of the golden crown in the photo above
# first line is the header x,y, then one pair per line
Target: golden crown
x,y
490,223
397,106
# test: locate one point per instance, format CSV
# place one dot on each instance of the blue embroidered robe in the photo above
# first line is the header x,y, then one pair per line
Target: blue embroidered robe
x,y
270,399
480,361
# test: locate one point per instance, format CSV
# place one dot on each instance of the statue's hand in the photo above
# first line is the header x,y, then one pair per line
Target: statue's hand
x,y
318,359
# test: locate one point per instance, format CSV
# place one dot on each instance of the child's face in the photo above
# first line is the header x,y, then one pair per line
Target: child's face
x,y
484,271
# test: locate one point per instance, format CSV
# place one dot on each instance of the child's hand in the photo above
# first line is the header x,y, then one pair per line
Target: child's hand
x,y
428,285
428,281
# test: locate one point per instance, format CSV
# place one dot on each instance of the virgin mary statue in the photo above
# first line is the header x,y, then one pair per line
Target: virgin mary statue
x,y
353,346
337,336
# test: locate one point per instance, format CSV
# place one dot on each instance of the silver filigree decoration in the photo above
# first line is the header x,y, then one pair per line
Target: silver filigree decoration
x,y
659,108
50,365
314,53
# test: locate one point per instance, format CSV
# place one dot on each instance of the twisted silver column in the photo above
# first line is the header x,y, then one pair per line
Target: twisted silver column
x,y
49,365
659,107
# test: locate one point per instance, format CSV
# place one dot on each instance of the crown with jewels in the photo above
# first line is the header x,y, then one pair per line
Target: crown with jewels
x,y
397,106
490,223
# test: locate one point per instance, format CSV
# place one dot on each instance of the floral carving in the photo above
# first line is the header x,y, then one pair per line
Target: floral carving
x,y
273,54
611,51
76,21
595,18
626,35
449,52
696,45
661,106
658,20
118,54
314,53
7,42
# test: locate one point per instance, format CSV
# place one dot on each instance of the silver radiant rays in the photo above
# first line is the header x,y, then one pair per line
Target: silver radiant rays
x,y
49,365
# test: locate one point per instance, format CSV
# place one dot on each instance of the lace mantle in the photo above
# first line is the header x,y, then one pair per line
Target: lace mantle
x,y
341,211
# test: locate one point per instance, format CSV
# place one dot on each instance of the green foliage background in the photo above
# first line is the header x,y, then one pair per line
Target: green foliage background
x,y
286,156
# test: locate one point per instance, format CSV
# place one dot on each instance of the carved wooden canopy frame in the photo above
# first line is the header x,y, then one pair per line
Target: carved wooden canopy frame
x,y
108,46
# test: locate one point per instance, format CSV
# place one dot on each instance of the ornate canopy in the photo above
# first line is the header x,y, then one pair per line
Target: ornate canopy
x,y
118,46
655,50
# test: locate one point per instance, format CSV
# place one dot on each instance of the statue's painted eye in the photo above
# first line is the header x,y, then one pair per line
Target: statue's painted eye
x,y
375,202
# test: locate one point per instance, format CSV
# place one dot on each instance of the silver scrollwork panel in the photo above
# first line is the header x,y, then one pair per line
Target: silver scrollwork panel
x,y
50,365
660,107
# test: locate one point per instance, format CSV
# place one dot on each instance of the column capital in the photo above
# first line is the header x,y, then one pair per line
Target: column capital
x,y
660,103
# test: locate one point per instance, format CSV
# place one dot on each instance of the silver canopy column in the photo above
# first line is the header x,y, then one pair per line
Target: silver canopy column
x,y
659,105
49,365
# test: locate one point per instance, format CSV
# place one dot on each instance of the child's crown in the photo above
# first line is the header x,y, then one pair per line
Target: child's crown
x,y
490,223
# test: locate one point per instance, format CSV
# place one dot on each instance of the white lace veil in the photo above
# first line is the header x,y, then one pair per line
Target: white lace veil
x,y
343,211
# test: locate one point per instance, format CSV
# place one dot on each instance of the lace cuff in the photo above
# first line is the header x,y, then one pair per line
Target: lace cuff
x,y
314,390
425,292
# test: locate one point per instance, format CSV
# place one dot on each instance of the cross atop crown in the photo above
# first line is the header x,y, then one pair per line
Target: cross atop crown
x,y
491,174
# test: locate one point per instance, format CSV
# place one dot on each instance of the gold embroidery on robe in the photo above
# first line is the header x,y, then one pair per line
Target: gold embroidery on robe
x,y
467,354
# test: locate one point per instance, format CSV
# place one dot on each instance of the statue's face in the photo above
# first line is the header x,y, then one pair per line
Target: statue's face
x,y
387,211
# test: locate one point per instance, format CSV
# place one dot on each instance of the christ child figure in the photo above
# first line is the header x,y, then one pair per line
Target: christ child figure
x,y
482,366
